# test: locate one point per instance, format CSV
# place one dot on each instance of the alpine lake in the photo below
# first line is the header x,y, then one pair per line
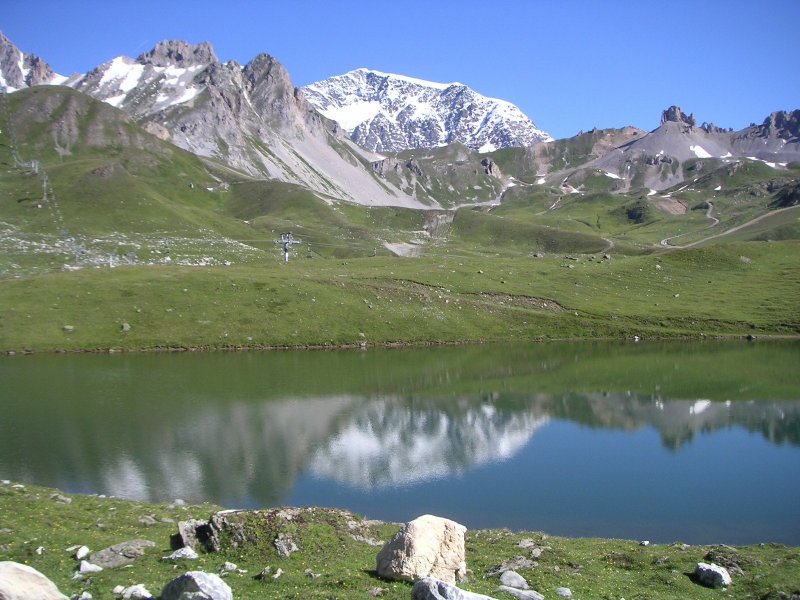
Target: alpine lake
x,y
696,442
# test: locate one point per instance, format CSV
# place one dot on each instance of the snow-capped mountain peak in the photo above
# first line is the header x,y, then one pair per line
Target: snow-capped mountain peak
x,y
389,112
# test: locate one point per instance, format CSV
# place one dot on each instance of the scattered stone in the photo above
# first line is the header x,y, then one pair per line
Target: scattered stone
x,y
87,567
712,576
428,546
516,563
537,552
745,260
120,555
526,543
285,545
148,521
39,550
61,498
177,503
21,581
68,328
513,579
312,575
644,543
377,591
82,552
197,585
430,588
181,554
522,594
278,573
564,592
135,592
126,327
82,596
230,567
265,572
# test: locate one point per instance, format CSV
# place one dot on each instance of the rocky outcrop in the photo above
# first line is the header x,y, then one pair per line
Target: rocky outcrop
x,y
20,70
428,546
178,53
21,582
674,114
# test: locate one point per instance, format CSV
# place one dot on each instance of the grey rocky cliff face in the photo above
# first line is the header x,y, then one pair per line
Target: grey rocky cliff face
x,y
21,70
178,53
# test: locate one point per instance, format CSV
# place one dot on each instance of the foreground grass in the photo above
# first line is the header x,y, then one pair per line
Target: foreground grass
x,y
37,525
737,289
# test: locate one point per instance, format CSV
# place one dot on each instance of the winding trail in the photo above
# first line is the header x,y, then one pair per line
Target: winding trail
x,y
665,242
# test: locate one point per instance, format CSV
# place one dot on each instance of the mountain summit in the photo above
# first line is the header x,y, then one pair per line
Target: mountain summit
x,y
383,112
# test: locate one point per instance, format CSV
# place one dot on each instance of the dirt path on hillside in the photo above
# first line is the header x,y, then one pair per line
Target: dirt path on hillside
x,y
666,241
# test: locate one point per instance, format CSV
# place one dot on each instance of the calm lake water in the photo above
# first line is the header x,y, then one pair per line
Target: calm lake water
x,y
697,442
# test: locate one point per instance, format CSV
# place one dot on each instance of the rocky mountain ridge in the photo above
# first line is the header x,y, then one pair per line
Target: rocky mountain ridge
x,y
321,137
390,113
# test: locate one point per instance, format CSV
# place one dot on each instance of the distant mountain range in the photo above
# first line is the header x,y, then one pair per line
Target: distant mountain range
x,y
351,137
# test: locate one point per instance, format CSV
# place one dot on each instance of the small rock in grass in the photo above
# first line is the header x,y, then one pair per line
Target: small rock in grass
x,y
513,579
136,592
182,553
564,592
197,585
82,552
87,567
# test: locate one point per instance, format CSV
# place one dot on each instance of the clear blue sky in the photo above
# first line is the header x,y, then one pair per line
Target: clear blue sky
x,y
569,65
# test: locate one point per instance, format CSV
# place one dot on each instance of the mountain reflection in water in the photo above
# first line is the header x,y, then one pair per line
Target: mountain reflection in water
x,y
463,432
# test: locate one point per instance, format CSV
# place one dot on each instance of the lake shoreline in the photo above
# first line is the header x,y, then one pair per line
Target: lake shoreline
x,y
48,523
392,345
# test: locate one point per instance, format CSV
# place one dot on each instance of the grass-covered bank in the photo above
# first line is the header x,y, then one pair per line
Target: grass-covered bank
x,y
37,525
735,289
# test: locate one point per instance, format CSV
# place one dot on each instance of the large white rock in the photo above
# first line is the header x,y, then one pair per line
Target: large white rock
x,y
21,582
712,575
428,546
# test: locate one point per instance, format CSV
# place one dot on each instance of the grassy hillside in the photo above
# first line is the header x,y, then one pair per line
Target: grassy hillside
x,y
722,290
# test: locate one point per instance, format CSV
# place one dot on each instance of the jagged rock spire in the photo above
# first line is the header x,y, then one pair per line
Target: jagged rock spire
x,y
674,114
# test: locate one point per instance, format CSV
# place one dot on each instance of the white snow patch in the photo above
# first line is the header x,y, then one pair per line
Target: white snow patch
x,y
718,188
351,116
727,155
651,192
123,73
487,147
769,164
115,100
699,152
612,175
540,181
414,80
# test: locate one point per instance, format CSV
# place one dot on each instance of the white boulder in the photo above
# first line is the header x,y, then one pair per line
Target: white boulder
x,y
21,582
428,546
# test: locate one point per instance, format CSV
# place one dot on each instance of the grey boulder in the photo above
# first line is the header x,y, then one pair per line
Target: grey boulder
x,y
436,589
197,585
21,582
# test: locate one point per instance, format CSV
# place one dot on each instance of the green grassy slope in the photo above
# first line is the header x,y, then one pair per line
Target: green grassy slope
x,y
711,291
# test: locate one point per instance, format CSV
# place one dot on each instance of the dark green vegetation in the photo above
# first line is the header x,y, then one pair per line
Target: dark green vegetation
x,y
196,264
335,545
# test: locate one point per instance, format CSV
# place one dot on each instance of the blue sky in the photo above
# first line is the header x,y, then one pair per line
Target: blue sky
x,y
569,65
